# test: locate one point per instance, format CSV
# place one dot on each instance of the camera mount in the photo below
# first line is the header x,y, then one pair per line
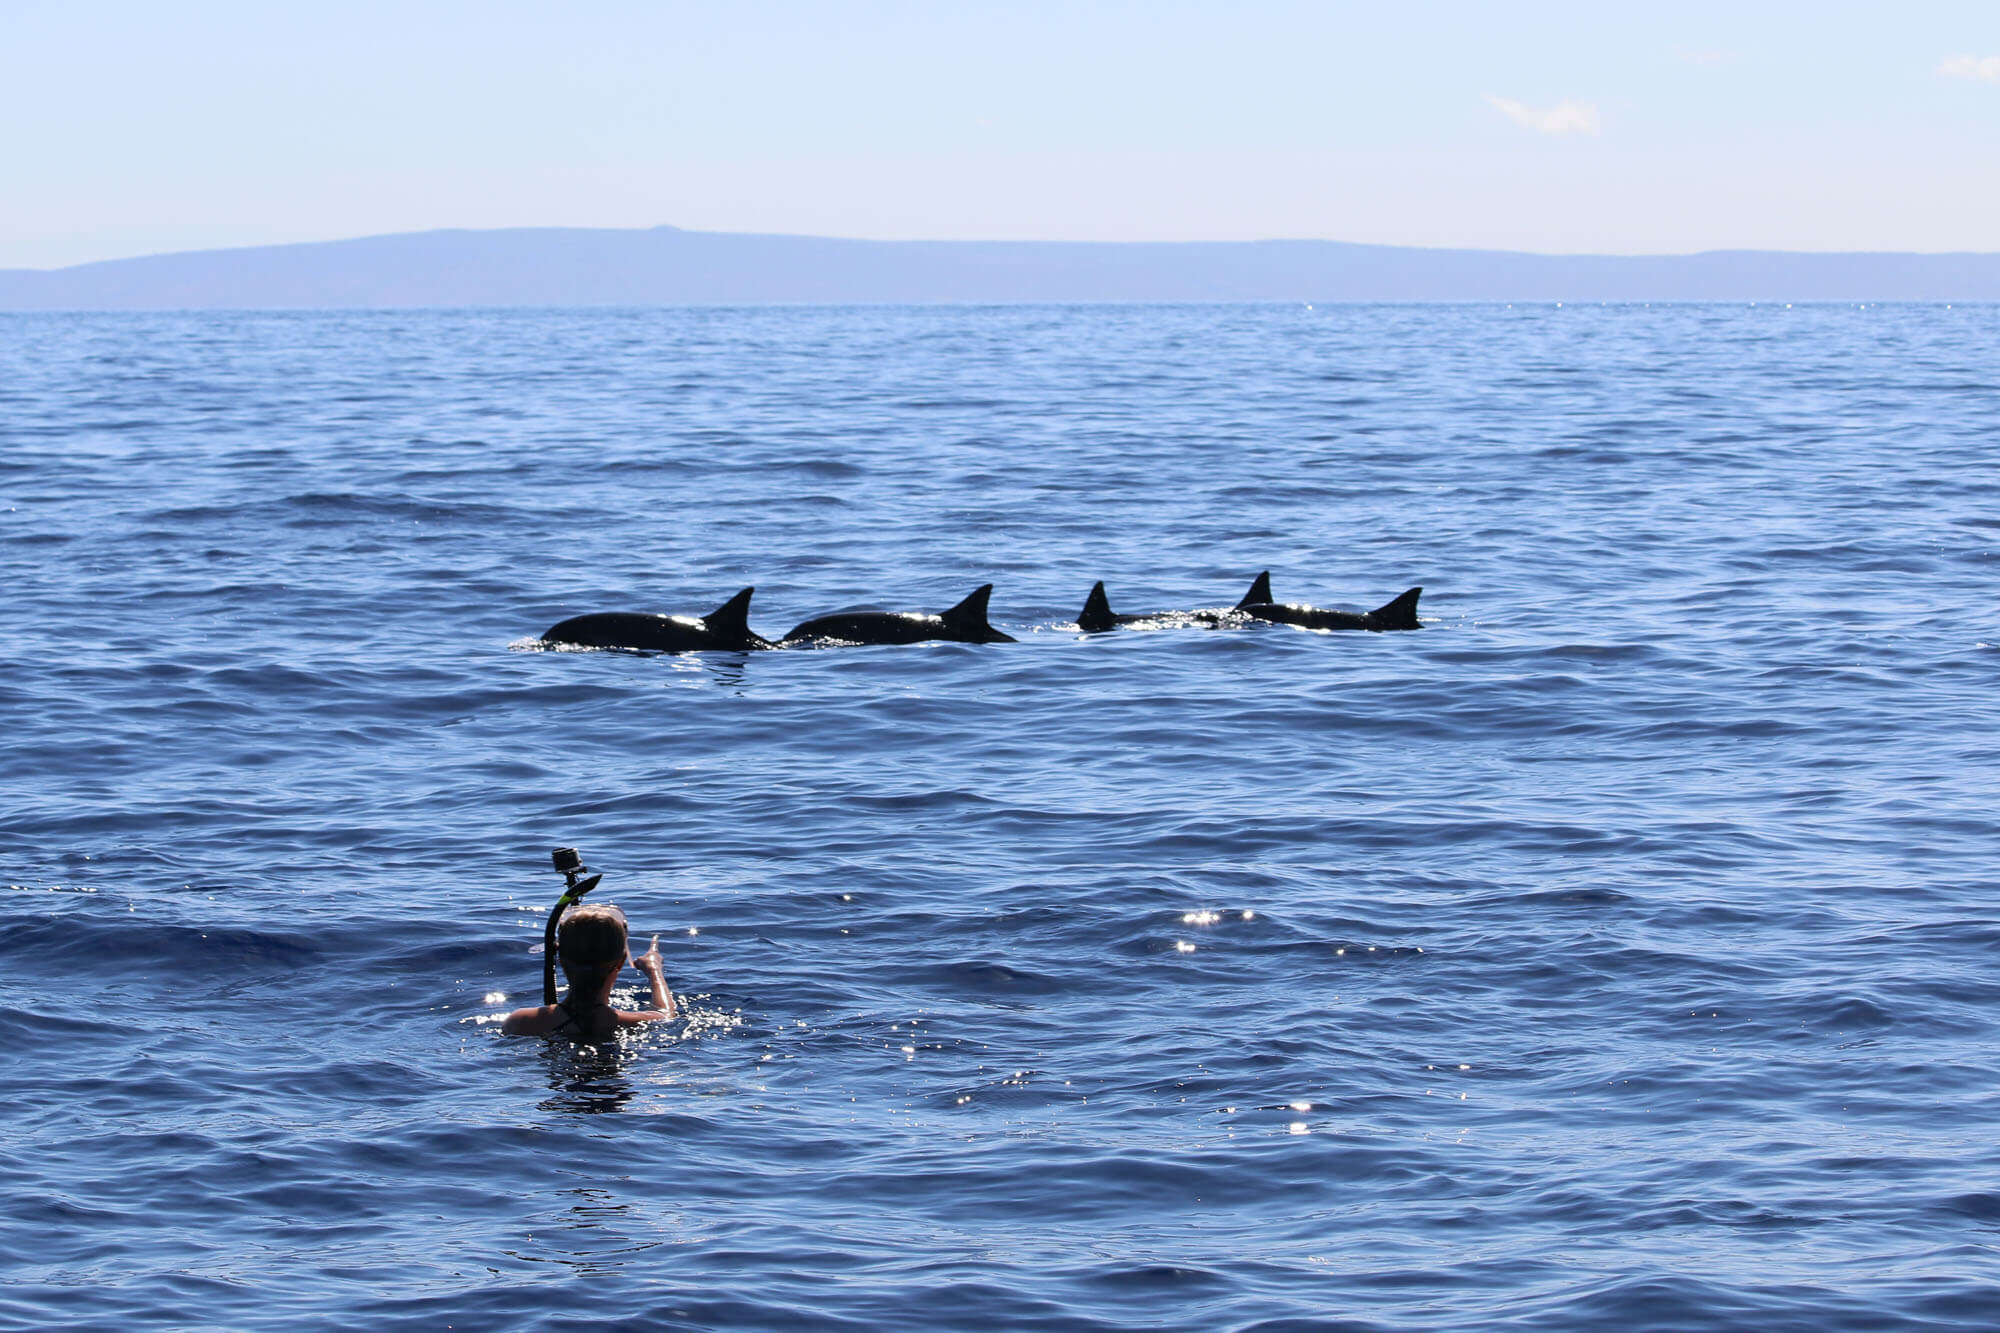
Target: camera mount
x,y
577,881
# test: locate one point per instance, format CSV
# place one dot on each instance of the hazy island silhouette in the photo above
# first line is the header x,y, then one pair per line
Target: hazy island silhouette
x,y
566,266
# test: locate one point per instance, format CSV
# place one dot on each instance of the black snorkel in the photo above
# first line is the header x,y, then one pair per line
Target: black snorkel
x,y
575,886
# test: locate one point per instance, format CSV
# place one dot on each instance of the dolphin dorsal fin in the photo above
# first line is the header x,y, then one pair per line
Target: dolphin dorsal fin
x,y
1096,614
1400,613
971,611
732,617
1260,592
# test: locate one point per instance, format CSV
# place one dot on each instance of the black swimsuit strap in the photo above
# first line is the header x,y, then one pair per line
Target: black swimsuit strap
x,y
572,1019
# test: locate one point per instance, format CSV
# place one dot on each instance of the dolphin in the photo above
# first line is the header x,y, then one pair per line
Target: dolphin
x,y
1397,613
727,628
1097,615
964,623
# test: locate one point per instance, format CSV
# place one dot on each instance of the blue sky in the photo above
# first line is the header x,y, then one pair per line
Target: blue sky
x,y
1557,127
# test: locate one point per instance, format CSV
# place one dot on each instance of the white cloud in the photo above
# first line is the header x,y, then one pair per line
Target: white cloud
x,y
1971,67
1562,118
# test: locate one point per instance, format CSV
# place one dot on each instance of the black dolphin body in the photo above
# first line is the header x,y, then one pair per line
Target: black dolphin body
x,y
964,623
1097,615
727,628
1398,613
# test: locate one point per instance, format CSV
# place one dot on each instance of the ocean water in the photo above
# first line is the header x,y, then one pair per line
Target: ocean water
x,y
1619,950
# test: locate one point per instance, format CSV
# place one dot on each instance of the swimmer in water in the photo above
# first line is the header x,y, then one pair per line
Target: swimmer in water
x,y
592,947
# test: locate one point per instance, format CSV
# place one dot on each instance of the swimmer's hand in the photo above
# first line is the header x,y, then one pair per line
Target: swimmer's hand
x,y
650,959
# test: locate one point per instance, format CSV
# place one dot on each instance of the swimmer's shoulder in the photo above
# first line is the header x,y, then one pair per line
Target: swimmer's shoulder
x,y
537,1021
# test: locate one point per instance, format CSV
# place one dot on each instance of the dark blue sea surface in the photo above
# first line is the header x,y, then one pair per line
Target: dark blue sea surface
x,y
1620,950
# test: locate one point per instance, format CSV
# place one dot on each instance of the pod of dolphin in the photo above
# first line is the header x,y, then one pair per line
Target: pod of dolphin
x,y
727,628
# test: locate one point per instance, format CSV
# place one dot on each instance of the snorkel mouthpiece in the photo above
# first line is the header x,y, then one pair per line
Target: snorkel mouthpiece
x,y
574,887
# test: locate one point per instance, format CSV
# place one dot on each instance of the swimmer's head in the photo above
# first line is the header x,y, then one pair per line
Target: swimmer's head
x,y
591,943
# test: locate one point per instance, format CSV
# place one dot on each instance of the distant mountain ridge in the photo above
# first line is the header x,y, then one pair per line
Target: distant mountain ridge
x,y
566,266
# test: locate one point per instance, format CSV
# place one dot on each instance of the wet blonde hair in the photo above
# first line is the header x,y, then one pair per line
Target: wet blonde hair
x,y
590,943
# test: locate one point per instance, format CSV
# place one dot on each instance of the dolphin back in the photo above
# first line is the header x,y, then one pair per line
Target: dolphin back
x,y
1398,613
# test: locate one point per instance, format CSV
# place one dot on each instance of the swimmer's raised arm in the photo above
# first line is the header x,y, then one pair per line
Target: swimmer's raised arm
x,y
663,999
